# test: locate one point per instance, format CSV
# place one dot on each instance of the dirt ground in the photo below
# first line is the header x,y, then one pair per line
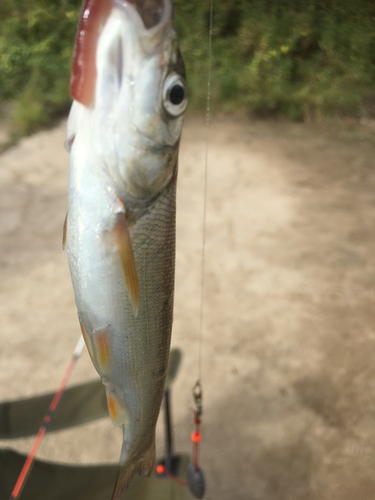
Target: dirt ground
x,y
289,319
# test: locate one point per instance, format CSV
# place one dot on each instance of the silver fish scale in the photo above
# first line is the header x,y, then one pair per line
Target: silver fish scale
x,y
124,147
153,238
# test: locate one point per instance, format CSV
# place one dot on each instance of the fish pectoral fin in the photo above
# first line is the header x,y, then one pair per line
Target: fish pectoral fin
x,y
125,249
65,227
143,465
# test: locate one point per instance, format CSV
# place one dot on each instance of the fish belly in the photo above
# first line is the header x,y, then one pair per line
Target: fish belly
x,y
129,351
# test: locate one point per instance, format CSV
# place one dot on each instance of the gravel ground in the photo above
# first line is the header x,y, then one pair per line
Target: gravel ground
x,y
289,318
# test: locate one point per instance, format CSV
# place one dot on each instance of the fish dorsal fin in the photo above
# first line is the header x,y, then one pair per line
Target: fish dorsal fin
x,y
126,254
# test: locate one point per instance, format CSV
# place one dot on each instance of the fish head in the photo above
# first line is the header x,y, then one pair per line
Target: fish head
x,y
132,123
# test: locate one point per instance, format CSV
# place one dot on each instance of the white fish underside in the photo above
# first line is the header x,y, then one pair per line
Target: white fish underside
x,y
141,341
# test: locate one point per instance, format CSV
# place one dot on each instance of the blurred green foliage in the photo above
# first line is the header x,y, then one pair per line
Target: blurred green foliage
x,y
292,57
297,58
36,39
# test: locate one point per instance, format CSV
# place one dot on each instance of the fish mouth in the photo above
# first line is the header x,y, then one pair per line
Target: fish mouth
x,y
149,15
151,12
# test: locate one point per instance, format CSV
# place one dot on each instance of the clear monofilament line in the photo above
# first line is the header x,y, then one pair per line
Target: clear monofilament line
x,y
204,224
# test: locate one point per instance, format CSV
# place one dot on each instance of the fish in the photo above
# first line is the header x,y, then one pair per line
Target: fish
x,y
130,94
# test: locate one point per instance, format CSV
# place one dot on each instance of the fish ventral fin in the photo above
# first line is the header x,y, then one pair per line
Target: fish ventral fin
x,y
126,254
143,465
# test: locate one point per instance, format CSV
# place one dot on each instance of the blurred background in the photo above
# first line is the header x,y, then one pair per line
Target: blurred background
x,y
295,58
289,323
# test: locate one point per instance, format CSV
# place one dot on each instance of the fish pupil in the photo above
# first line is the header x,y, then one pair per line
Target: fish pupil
x,y
177,94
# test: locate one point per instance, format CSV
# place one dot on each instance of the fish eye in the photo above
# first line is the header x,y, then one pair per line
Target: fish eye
x,y
175,95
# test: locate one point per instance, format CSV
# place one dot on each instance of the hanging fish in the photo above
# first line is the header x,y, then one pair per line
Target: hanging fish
x,y
129,91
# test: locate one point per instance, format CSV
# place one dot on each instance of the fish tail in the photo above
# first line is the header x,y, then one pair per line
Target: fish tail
x,y
144,465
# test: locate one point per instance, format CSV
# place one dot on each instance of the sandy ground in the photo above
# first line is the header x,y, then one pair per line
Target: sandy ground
x,y
289,325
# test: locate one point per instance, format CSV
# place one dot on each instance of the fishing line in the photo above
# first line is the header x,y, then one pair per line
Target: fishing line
x,y
195,477
205,182
26,469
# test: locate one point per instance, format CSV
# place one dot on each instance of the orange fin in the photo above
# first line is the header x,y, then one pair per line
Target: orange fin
x,y
86,338
103,351
144,465
126,253
116,409
65,227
